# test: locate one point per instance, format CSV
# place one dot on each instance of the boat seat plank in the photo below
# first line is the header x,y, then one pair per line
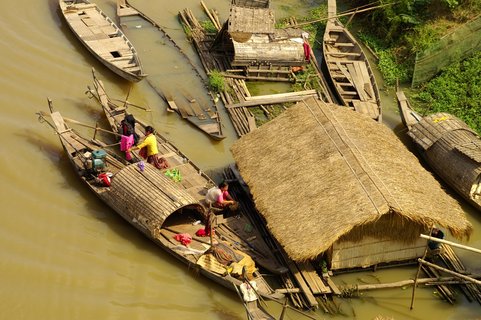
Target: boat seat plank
x,y
132,69
358,80
82,6
341,44
197,109
350,54
126,11
185,110
210,127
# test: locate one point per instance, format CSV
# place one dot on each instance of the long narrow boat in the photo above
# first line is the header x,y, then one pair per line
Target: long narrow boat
x,y
164,210
229,228
199,108
349,69
449,146
101,36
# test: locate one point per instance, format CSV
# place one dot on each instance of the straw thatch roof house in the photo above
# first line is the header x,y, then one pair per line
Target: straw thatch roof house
x,y
330,181
249,38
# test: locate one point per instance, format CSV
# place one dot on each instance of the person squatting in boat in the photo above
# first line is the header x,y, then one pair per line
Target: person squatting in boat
x,y
219,197
148,149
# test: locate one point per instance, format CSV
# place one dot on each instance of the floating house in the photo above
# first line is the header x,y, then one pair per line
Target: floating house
x,y
249,38
332,184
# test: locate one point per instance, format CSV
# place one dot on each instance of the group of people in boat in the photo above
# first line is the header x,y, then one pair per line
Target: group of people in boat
x,y
147,148
217,198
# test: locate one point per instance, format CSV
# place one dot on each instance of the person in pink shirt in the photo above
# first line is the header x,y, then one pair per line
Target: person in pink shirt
x,y
220,198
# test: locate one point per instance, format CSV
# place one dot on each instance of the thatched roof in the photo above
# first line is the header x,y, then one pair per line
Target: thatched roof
x,y
251,20
317,171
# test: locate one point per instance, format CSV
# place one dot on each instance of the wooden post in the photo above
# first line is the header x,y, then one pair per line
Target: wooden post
x,y
419,270
95,130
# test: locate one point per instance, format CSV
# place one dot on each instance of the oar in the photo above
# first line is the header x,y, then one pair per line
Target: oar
x,y
83,124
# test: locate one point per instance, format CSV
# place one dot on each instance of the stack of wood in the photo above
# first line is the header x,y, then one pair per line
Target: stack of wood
x,y
472,291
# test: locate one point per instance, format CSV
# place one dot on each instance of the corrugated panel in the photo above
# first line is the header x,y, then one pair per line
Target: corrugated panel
x,y
371,251
251,20
433,127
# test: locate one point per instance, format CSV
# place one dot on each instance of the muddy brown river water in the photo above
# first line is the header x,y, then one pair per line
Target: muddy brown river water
x,y
63,253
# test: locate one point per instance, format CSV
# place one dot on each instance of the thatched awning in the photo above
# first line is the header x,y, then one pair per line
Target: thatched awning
x,y
147,195
317,171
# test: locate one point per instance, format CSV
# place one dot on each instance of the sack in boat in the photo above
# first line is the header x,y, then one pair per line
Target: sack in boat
x,y
104,179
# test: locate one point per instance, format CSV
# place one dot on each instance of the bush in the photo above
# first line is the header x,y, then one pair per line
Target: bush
x,y
208,26
216,81
457,90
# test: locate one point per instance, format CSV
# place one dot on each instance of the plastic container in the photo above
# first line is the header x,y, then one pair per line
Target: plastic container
x,y
99,154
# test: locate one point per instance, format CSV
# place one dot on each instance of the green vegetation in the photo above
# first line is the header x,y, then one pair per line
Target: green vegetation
x,y
407,27
216,81
457,90
400,31
315,30
306,79
208,26
389,65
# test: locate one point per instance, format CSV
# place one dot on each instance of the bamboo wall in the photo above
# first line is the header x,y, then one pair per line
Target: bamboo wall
x,y
371,251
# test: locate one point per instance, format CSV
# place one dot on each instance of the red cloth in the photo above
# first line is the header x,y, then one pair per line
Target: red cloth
x,y
183,238
307,51
204,233
143,152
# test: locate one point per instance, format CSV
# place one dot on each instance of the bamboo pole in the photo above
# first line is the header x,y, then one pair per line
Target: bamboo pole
x,y
431,238
342,15
427,281
83,124
214,22
418,272
470,279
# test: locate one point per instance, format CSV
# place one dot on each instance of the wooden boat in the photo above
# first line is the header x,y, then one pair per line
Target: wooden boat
x,y
349,69
101,36
201,112
228,228
449,146
155,204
